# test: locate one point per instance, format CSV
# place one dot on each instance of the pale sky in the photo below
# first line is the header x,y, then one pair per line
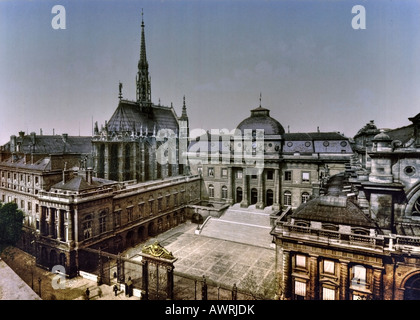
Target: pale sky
x,y
312,68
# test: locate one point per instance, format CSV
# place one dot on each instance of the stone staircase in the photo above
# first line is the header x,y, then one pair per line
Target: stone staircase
x,y
244,225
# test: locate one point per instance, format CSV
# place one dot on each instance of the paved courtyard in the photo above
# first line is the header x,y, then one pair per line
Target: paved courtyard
x,y
250,267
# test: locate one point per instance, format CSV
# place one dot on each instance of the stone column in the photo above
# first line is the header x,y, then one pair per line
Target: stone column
x,y
76,225
276,203
59,224
96,157
69,220
50,222
106,161
344,280
142,162
245,202
121,161
229,186
287,278
313,278
42,221
152,160
377,283
260,189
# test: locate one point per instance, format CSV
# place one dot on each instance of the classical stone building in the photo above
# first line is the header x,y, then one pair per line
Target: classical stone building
x,y
361,239
260,164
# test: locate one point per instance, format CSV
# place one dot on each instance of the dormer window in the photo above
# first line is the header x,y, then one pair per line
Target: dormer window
x,y
302,224
360,231
330,226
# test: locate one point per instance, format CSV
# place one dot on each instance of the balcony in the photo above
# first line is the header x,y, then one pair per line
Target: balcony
x,y
329,237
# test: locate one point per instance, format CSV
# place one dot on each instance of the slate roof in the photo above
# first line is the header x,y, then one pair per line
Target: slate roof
x,y
403,134
316,142
50,144
43,164
318,210
79,183
129,117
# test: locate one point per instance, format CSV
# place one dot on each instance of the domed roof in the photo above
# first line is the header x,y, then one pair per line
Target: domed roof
x,y
382,137
260,120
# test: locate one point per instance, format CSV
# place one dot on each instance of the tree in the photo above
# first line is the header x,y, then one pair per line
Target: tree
x,y
11,222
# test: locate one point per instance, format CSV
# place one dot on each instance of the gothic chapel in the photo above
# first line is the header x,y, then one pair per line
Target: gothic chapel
x,y
127,147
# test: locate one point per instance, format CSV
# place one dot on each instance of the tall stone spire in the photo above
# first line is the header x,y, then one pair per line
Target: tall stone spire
x,y
184,115
143,78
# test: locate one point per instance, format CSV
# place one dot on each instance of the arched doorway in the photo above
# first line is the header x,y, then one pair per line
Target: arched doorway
x,y
129,239
53,258
141,234
412,288
151,229
63,259
238,194
44,257
269,196
254,196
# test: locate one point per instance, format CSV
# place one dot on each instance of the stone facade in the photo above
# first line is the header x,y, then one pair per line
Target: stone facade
x,y
360,240
259,164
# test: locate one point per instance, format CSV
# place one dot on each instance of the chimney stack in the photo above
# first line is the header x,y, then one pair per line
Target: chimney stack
x,y
89,175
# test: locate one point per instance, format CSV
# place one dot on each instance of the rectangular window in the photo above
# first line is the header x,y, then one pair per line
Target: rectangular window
x,y
168,200
359,275
102,223
328,294
117,217
159,204
224,172
210,172
288,176
130,214
300,290
329,267
300,261
150,207
239,174
305,176
270,174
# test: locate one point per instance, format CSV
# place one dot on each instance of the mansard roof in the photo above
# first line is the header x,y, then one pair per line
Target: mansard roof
x,y
129,116
49,144
316,142
335,210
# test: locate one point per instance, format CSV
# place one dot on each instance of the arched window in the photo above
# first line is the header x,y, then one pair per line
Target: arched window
x,y
224,192
87,227
287,198
305,197
102,222
211,191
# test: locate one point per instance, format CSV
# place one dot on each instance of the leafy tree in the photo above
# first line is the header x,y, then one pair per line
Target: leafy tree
x,y
11,222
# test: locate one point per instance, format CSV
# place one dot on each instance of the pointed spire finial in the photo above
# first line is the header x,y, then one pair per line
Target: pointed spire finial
x,y
260,98
142,21
120,87
184,109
